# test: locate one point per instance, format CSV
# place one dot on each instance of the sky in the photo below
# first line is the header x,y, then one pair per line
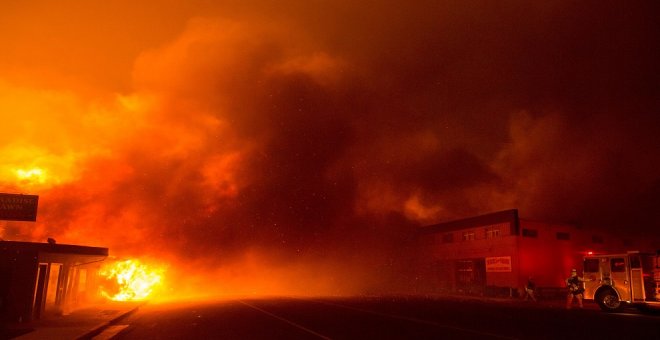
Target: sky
x,y
271,135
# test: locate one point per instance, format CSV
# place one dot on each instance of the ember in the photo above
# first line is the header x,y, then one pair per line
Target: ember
x,y
134,280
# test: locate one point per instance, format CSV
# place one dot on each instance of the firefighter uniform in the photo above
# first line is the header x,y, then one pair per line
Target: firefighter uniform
x,y
575,289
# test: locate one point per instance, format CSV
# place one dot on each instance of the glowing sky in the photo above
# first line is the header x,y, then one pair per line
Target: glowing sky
x,y
318,129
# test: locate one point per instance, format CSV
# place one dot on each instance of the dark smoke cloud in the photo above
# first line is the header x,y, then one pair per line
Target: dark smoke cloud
x,y
329,129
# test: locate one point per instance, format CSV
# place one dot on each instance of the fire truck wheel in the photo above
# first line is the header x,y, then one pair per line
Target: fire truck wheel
x,y
609,301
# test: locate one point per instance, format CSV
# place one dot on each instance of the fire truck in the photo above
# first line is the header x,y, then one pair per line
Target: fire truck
x,y
617,280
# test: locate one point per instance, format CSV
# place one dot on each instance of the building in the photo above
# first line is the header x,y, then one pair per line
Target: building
x,y
40,279
495,254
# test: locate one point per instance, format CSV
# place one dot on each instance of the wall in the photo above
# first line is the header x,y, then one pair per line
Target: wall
x,y
550,259
479,242
18,295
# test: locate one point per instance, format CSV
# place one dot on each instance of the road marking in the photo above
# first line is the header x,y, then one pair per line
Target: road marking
x,y
421,321
110,332
285,320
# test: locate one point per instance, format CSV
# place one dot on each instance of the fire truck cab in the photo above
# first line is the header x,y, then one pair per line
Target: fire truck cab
x,y
616,280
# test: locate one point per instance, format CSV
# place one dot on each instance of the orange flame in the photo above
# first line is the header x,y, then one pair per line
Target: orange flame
x,y
134,280
34,175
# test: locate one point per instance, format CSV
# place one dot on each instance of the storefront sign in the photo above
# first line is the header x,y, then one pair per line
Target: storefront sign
x,y
500,264
18,207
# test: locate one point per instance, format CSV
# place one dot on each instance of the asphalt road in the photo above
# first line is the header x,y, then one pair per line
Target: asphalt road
x,y
381,318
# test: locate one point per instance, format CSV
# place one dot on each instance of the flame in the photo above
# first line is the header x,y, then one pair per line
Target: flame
x,y
34,175
134,280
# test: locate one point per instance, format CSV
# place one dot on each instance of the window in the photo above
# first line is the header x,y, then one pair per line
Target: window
x,y
635,262
597,239
591,265
464,266
468,236
530,233
618,265
492,233
563,236
448,238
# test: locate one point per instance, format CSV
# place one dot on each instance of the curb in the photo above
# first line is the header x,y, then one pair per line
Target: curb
x,y
104,325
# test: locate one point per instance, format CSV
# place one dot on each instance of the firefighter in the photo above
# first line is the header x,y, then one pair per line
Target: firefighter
x,y
530,287
575,289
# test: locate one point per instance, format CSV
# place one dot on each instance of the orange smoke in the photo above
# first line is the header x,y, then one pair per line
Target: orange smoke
x,y
163,171
262,140
229,148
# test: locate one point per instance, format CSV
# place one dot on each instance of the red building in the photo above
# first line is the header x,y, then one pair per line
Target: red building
x,y
495,254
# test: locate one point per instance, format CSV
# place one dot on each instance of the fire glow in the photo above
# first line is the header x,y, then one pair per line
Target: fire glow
x,y
279,152
35,175
134,280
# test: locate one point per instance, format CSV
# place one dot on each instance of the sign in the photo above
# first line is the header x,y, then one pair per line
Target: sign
x,y
15,207
500,264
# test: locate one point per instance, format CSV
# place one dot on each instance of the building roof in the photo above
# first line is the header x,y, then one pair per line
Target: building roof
x,y
471,222
52,248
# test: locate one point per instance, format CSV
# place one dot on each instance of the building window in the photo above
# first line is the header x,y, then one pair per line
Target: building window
x,y
563,236
530,233
448,238
468,236
492,233
597,239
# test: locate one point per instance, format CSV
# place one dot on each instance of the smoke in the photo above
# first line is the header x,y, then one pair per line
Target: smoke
x,y
310,142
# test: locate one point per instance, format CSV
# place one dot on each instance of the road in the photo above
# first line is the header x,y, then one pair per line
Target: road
x,y
380,318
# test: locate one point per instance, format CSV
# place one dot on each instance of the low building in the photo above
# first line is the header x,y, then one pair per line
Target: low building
x,y
495,254
38,279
